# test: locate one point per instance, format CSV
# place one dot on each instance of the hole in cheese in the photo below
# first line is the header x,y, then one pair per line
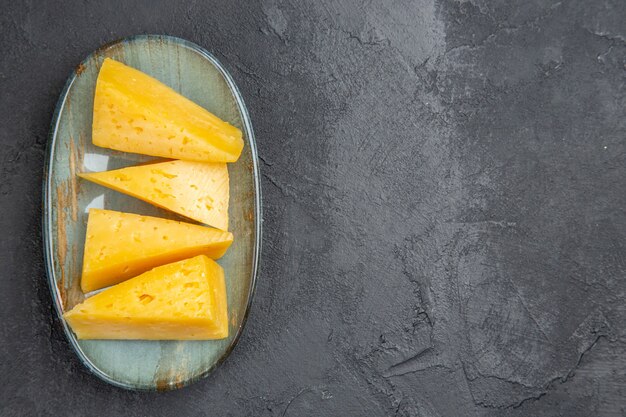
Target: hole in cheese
x,y
146,298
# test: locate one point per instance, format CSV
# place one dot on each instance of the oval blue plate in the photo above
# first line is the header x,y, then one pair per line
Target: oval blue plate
x,y
196,74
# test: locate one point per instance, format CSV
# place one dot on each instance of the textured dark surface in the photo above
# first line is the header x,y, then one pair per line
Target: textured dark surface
x,y
444,207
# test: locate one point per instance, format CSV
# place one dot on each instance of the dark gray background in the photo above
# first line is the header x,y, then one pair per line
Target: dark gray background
x,y
444,207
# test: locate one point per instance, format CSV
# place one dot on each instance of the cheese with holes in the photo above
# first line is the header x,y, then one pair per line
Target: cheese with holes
x,y
198,190
134,112
185,300
119,245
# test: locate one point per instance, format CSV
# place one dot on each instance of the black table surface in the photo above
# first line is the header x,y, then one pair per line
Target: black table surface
x,y
444,207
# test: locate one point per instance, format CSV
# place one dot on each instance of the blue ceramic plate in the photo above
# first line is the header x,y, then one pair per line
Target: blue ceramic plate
x,y
196,74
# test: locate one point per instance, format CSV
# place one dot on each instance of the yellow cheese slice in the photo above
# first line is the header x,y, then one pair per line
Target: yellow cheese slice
x,y
198,190
119,245
134,112
185,300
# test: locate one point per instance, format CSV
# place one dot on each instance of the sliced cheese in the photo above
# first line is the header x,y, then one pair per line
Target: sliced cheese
x,y
119,245
185,300
134,112
197,190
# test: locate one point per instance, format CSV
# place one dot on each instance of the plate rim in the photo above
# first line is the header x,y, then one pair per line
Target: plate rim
x,y
47,212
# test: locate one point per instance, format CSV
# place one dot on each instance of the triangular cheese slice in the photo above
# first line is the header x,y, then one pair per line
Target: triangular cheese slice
x,y
134,112
198,190
184,300
119,245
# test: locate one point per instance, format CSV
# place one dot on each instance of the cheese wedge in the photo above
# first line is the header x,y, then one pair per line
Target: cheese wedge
x,y
185,300
119,245
198,190
134,112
